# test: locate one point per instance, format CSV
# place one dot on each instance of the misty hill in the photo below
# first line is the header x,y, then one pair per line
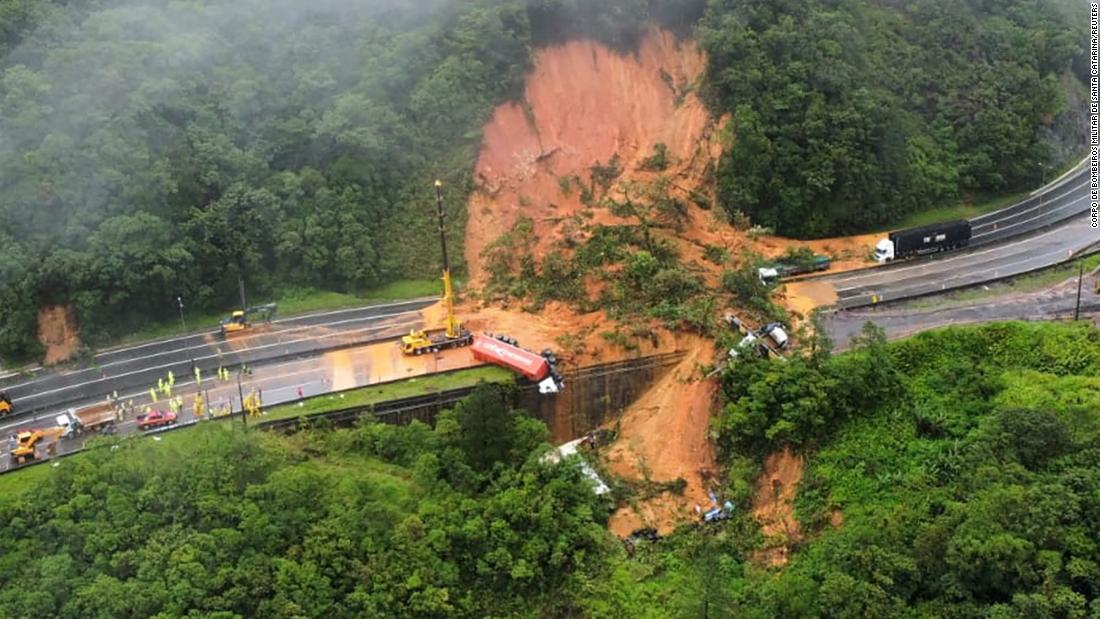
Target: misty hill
x,y
149,149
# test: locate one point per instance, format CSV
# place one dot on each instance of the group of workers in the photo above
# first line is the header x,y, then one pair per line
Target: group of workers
x,y
252,402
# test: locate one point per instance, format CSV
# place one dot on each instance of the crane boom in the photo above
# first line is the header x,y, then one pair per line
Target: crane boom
x,y
420,342
454,327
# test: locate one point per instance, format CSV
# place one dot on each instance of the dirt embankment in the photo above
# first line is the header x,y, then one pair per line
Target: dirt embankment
x,y
57,332
662,438
773,506
584,104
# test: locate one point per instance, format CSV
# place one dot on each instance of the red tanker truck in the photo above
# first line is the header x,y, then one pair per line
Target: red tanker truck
x,y
505,352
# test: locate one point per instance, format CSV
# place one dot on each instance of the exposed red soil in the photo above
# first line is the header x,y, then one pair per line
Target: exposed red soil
x,y
583,104
57,332
773,505
662,437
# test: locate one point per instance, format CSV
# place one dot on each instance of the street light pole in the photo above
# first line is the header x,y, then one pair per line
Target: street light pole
x,y
240,392
179,301
1080,276
1042,183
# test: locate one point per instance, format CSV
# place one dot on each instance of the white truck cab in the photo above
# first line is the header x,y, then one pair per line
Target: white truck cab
x,y
70,423
778,335
767,275
746,343
884,251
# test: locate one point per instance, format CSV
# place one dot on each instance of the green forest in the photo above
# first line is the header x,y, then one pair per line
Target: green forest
x,y
151,151
965,464
849,114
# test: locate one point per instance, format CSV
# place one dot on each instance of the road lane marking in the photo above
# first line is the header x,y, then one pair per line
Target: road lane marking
x,y
891,274
209,357
118,349
208,345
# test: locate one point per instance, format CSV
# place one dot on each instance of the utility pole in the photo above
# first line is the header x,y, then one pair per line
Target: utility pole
x,y
240,392
179,301
240,285
1080,276
1042,182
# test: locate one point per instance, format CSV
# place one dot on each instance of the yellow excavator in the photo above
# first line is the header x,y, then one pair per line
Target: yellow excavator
x,y
454,336
27,444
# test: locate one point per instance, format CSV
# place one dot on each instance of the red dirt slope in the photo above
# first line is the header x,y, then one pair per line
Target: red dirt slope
x,y
583,104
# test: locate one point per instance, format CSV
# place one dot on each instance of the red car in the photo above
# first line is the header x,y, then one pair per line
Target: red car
x,y
155,419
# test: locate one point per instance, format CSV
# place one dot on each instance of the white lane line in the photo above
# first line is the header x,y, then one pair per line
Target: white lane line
x,y
218,356
1050,187
892,274
996,270
1079,167
1042,204
206,346
140,396
1040,215
107,351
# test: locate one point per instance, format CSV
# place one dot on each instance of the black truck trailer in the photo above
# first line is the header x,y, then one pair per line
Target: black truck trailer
x,y
931,238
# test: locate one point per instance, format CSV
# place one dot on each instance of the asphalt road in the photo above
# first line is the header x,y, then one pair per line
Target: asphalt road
x,y
903,320
1056,224
278,382
138,367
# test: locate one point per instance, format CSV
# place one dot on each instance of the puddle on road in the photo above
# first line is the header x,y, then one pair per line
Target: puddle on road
x,y
341,370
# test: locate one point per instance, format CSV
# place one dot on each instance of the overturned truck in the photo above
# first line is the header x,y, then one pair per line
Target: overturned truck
x,y
505,351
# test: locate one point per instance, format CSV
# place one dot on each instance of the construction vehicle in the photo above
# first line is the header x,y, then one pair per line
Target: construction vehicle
x,y
242,320
454,336
505,352
6,407
27,444
98,418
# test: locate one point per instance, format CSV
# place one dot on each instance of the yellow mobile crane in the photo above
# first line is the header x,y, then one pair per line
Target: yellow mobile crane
x,y
419,342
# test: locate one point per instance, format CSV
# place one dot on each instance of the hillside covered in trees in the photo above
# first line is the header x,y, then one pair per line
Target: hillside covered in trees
x,y
153,150
848,115
956,474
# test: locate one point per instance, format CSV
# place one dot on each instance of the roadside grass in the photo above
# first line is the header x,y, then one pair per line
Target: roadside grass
x,y
292,301
149,453
1024,284
15,486
963,210
975,205
421,385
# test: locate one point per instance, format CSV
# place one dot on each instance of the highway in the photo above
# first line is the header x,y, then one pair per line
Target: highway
x,y
906,318
277,382
138,367
1047,228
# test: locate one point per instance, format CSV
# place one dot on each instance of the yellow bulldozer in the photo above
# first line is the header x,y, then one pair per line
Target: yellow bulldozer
x,y
454,335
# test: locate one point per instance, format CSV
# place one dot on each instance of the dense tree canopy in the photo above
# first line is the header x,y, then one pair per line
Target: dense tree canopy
x,y
378,521
153,150
848,114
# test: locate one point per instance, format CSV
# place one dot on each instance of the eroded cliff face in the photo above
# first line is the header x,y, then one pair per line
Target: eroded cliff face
x,y
584,104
